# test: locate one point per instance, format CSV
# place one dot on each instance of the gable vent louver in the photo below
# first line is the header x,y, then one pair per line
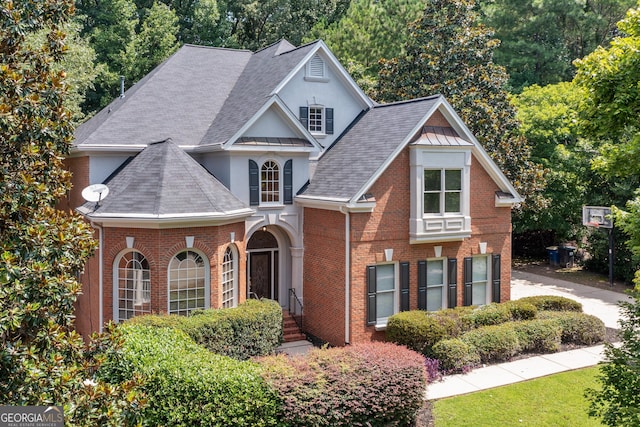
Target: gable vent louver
x,y
316,67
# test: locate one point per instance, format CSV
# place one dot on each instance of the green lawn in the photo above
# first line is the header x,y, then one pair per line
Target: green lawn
x,y
553,401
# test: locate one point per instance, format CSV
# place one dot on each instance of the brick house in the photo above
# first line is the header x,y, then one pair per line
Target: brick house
x,y
231,174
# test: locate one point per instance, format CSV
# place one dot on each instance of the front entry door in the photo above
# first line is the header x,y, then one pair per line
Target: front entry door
x,y
260,274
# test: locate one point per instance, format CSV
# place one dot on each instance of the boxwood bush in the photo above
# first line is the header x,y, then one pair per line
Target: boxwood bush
x,y
187,385
254,328
577,328
372,384
521,310
538,335
490,314
456,355
417,330
494,343
553,303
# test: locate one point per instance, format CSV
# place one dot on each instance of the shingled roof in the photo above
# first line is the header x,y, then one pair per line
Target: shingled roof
x,y
164,182
200,95
344,169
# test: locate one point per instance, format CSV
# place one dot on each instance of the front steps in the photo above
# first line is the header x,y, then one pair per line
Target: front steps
x,y
290,330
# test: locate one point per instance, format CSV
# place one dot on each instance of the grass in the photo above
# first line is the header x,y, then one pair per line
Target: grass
x,y
553,401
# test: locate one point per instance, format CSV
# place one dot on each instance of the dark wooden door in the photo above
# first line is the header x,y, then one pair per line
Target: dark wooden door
x,y
260,274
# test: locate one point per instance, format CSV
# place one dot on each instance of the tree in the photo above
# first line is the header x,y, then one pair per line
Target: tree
x,y
155,42
42,360
448,52
541,38
549,117
617,403
369,31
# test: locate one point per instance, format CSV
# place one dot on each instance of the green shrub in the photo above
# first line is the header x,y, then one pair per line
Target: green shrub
x,y
417,330
553,303
490,314
521,310
538,335
577,328
254,328
187,385
456,355
494,343
456,320
372,384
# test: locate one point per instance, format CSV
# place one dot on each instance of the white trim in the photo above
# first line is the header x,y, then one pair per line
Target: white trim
x,y
381,324
330,59
443,260
334,204
288,114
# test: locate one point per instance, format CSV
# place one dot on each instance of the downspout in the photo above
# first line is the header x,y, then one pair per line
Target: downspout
x,y
100,276
347,271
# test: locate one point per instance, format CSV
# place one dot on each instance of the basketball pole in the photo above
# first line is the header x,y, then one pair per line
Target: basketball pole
x,y
611,256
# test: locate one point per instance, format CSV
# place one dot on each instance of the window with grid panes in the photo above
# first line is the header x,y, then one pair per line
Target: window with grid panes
x,y
187,283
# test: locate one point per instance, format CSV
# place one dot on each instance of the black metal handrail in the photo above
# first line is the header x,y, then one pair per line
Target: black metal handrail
x,y
295,307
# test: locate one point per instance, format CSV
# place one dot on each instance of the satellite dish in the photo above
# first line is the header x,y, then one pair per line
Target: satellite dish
x,y
95,193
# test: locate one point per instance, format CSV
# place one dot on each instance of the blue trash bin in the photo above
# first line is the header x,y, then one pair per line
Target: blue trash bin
x,y
554,255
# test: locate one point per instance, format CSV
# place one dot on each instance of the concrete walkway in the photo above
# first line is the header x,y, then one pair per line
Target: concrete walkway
x,y
595,301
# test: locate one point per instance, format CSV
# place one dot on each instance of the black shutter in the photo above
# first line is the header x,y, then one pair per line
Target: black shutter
x,y
422,285
254,184
495,276
288,182
328,123
404,286
304,117
371,295
468,281
452,282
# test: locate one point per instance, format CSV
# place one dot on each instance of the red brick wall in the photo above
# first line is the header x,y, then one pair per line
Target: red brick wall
x,y
159,246
388,227
324,274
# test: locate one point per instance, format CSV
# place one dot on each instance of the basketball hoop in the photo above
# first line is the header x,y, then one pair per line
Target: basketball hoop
x,y
593,224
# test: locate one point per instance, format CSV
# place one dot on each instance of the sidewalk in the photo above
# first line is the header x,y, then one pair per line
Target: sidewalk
x,y
598,302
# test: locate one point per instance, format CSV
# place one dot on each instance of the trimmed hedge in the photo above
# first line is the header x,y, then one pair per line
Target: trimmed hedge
x,y
490,314
372,384
494,343
417,330
254,328
538,335
456,355
521,310
187,385
553,303
577,328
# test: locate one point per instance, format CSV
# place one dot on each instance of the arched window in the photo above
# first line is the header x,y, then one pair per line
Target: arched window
x,y
133,294
188,288
270,182
229,279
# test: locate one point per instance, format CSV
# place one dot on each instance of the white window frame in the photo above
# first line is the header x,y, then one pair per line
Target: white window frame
x,y
443,286
440,226
316,125
486,280
199,276
381,322
442,192
229,279
141,294
264,182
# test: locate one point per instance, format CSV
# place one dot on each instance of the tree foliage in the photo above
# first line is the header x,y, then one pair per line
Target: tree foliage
x,y
42,360
369,31
617,403
449,52
541,38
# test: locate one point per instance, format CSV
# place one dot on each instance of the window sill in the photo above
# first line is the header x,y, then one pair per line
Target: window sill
x,y
271,207
381,326
316,79
318,135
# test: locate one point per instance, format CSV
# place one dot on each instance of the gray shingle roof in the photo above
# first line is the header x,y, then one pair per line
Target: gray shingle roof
x,y
266,69
343,170
164,181
178,100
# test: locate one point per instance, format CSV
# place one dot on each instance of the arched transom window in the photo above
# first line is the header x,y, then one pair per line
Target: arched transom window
x,y
270,182
134,286
187,283
229,279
